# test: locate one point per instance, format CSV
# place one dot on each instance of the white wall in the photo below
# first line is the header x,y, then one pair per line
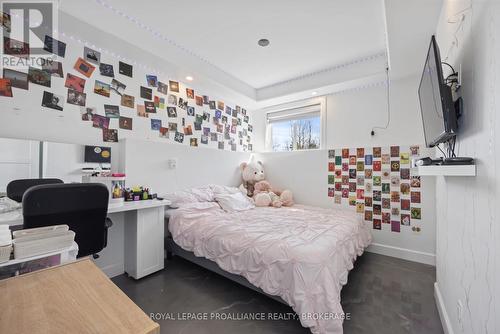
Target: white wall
x,y
468,230
350,117
23,117
305,173
352,114
19,159
146,163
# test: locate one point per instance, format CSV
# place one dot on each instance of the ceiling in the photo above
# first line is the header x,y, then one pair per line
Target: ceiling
x,y
315,44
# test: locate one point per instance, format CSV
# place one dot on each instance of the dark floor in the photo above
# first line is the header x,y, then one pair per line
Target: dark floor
x,y
383,295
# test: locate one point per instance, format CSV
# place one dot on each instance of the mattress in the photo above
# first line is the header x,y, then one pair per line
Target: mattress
x,y
302,254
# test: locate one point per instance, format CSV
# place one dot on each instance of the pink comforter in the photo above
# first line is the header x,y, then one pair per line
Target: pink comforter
x,y
302,254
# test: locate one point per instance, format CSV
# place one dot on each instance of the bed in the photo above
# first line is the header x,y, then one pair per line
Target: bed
x,y
300,255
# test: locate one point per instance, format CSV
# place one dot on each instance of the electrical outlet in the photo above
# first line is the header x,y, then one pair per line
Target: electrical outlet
x,y
460,311
172,163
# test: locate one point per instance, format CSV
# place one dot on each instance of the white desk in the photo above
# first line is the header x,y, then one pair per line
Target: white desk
x,y
135,241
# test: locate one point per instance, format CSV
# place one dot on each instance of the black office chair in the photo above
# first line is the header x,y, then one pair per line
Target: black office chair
x,y
17,188
81,206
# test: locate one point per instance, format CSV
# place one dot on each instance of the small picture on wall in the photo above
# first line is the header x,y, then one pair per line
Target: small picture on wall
x,y
111,111
172,127
110,135
84,67
141,111
125,123
127,101
395,196
386,159
76,98
118,87
99,121
415,182
404,158
92,56
405,188
102,88
74,82
150,107
5,21
405,173
39,77
368,160
368,215
405,204
204,139
211,105
182,103
415,150
206,99
87,113
54,68
395,181
352,160
172,112
155,124
172,99
405,219
17,79
125,69
377,224
152,80
394,151
188,130
360,152
221,145
193,142
395,226
174,86
377,166
395,166
162,87
377,152
54,46
50,100
199,101
163,132
190,111
179,137
190,93
16,48
106,70
146,93
220,105
416,213
415,197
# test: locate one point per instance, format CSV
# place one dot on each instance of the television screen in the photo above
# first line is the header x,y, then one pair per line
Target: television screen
x,y
438,112
99,154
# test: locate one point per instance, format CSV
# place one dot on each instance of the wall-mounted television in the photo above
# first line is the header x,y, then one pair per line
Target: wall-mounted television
x,y
98,154
436,103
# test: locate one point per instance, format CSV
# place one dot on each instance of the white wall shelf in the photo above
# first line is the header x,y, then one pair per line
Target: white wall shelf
x,y
445,170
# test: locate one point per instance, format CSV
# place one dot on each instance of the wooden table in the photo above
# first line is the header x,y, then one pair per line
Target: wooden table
x,y
71,298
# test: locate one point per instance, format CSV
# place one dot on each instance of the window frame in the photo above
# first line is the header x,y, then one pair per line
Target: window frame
x,y
290,107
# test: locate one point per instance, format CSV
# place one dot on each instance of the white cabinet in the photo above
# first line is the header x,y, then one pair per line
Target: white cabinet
x,y
144,249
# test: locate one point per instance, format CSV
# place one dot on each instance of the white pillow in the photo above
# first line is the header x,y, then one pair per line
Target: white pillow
x,y
201,194
234,202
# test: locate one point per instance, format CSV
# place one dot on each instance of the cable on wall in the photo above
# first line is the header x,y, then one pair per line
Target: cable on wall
x,y
388,96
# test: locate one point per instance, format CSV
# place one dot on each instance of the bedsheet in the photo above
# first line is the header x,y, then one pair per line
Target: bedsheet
x,y
302,254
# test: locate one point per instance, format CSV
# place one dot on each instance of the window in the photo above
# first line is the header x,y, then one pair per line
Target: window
x,y
295,129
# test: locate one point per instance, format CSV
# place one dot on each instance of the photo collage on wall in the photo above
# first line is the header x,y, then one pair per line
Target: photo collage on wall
x,y
175,112
378,183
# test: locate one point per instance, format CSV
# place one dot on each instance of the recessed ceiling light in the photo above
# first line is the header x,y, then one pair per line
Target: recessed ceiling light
x,y
314,93
263,42
189,78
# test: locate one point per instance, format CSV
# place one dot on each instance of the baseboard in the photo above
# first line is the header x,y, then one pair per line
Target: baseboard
x,y
113,269
443,315
403,253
